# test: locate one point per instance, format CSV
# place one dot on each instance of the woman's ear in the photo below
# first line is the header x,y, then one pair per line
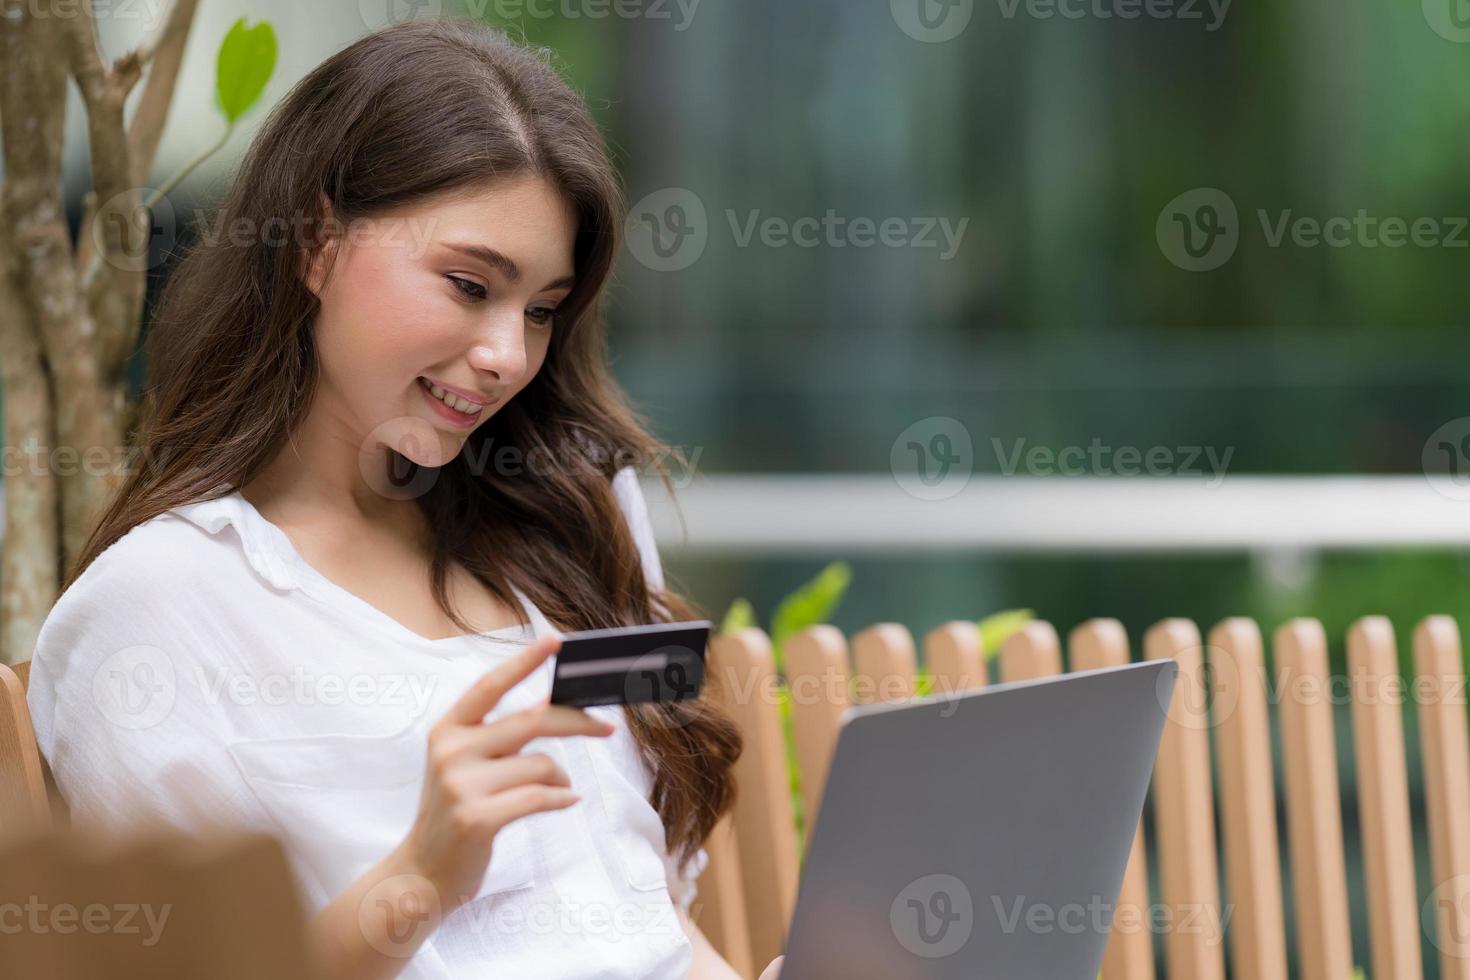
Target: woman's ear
x,y
317,257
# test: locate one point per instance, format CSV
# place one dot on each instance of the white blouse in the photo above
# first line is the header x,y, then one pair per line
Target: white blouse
x,y
201,674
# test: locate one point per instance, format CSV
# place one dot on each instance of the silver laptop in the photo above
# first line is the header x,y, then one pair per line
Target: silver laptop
x,y
979,834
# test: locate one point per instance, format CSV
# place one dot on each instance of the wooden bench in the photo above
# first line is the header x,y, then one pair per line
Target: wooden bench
x,y
215,909
748,892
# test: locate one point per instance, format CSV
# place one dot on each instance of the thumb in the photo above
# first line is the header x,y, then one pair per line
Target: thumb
x,y
774,970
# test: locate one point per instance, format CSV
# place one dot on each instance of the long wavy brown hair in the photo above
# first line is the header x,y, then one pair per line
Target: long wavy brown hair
x,y
404,114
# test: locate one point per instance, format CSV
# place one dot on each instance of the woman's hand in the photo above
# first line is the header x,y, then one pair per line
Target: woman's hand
x,y
476,781
774,970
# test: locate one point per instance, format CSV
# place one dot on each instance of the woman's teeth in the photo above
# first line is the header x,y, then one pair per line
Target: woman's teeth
x,y
453,401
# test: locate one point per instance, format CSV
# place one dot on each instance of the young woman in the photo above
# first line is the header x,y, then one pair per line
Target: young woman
x,y
382,464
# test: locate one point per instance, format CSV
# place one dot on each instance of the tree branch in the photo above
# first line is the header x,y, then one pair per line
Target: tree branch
x,y
146,130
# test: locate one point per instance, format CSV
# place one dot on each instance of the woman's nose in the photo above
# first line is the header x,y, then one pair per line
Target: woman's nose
x,y
501,354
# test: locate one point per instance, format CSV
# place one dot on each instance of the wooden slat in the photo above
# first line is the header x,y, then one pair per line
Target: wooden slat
x,y
1032,651
1313,808
1383,800
23,803
884,664
744,672
719,906
1093,645
1247,800
1184,817
1440,684
955,654
219,908
816,674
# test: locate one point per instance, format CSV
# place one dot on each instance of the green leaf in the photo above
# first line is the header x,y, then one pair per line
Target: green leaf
x,y
247,57
995,628
739,616
812,603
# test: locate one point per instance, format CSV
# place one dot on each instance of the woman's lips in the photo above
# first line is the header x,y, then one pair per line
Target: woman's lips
x,y
454,416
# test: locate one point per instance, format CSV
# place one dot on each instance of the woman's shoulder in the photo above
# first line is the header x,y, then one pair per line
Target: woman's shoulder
x,y
152,575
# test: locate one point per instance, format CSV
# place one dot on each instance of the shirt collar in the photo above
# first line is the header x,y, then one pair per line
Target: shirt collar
x,y
265,545
271,554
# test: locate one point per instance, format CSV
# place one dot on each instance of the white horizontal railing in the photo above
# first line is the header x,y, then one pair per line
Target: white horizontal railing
x,y
851,513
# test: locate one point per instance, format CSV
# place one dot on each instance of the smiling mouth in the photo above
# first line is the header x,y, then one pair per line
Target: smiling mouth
x,y
459,410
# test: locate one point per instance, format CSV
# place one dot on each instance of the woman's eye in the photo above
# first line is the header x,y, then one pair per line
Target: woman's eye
x,y
471,289
541,315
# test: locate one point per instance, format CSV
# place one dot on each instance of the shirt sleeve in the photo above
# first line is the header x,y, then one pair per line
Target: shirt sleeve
x,y
121,710
682,886
635,508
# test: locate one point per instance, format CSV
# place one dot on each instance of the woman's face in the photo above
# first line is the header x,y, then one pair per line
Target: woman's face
x,y
434,316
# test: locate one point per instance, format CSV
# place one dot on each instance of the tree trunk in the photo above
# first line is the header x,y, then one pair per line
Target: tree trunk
x,y
67,332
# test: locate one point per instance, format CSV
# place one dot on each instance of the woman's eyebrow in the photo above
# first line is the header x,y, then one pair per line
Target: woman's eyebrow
x,y
502,262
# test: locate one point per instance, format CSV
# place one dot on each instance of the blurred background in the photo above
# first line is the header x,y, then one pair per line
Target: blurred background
x,y
1093,307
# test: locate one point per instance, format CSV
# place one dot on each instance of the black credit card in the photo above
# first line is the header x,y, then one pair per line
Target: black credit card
x,y
631,664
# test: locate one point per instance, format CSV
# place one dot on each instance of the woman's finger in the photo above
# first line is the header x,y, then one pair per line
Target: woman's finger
x,y
475,704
